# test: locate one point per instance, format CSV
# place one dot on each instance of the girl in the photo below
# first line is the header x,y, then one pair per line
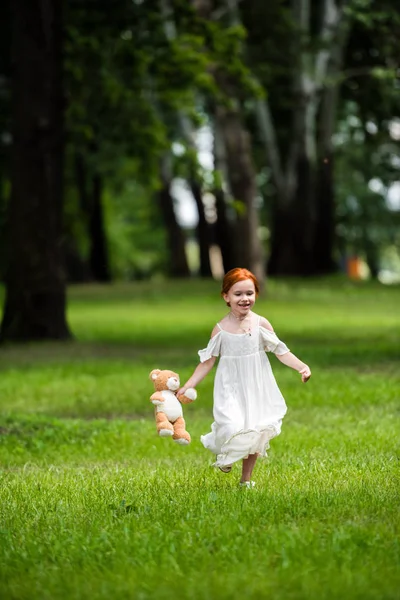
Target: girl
x,y
248,406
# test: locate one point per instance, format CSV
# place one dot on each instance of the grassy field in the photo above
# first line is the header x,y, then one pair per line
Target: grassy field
x,y
93,505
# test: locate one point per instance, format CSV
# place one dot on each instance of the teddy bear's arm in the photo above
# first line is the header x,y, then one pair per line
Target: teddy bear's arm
x,y
157,398
189,396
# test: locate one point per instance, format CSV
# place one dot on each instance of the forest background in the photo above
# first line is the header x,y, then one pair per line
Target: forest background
x,y
174,138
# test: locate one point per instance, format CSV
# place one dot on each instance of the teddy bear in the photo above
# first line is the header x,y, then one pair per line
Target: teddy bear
x,y
168,409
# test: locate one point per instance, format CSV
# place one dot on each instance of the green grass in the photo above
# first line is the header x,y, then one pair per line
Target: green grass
x,y
94,505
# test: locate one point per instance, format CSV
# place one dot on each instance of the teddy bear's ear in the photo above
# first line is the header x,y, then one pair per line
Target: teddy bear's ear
x,y
154,373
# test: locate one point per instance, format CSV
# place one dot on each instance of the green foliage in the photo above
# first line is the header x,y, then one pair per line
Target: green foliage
x,y
126,80
374,14
125,74
135,232
366,223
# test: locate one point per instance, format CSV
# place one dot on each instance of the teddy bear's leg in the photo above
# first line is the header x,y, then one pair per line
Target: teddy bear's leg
x,y
181,436
164,427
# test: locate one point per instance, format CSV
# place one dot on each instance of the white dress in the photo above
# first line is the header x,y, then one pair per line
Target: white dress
x,y
248,405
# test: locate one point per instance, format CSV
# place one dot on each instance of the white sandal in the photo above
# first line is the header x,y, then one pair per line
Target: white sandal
x,y
226,468
248,484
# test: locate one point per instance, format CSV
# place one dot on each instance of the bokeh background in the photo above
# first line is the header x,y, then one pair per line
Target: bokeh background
x,y
167,138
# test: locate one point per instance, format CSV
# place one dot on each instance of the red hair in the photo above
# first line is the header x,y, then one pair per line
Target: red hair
x,y
235,275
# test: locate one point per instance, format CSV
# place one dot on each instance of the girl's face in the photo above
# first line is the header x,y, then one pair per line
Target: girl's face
x,y
241,297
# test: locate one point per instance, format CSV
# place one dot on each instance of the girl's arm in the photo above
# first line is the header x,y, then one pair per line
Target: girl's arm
x,y
290,360
200,371
198,375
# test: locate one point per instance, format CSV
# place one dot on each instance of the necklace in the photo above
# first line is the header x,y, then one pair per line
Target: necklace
x,y
248,330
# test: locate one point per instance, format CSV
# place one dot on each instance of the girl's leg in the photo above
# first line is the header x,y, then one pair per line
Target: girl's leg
x,y
248,466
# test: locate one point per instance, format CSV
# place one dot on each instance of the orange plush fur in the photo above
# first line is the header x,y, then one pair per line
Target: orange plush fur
x,y
168,408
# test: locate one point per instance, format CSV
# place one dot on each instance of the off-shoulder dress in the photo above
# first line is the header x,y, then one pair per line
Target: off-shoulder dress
x,y
248,405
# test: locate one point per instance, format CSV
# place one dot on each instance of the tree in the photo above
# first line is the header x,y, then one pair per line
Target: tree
x,y
177,263
224,224
35,287
367,153
233,134
90,187
127,100
5,108
314,36
335,51
187,132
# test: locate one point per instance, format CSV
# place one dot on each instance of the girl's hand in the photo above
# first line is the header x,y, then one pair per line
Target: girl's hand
x,y
181,391
305,374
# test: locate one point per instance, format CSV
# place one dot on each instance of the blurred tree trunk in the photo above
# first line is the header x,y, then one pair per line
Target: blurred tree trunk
x,y
242,184
203,233
3,212
98,259
177,264
89,187
5,109
223,231
293,223
303,215
372,257
325,192
239,161
76,267
223,227
35,286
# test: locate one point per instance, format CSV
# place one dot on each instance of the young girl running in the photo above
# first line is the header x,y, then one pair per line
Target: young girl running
x,y
248,406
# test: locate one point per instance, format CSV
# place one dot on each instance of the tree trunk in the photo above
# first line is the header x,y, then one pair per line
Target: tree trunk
x,y
98,259
223,232
203,233
90,192
35,286
372,258
293,227
202,230
76,267
325,225
177,263
302,242
223,227
325,195
3,231
241,178
5,109
239,161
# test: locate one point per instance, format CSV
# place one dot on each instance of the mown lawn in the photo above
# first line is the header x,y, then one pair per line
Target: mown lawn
x,y
94,505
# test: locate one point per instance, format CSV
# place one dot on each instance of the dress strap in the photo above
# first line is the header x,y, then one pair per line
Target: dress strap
x,y
219,327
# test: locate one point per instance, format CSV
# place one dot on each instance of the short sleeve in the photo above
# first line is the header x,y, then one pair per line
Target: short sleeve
x,y
213,348
271,342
